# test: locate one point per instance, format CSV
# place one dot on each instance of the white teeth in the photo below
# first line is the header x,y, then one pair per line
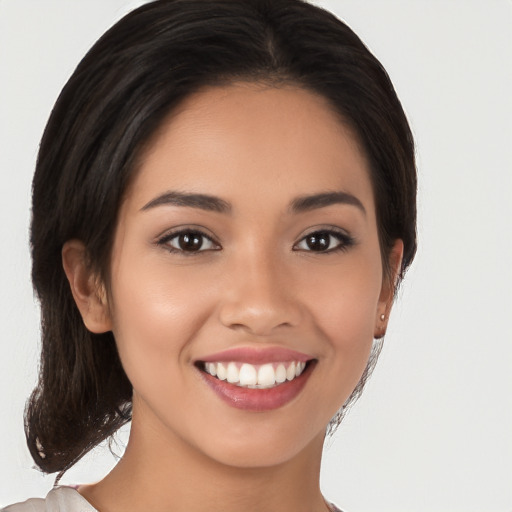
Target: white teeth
x,y
290,372
211,368
255,376
280,374
233,373
266,376
221,371
248,375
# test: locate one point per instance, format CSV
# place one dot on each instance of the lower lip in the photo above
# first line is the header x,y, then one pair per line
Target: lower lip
x,y
258,399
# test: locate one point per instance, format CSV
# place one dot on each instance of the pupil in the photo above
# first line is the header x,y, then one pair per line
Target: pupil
x,y
318,242
190,242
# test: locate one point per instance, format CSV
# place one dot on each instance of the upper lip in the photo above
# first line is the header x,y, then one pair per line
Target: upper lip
x,y
254,355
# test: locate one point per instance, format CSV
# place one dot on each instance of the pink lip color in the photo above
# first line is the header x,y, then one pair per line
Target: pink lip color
x,y
257,356
258,400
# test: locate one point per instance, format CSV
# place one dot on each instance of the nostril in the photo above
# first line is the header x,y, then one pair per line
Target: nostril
x,y
262,321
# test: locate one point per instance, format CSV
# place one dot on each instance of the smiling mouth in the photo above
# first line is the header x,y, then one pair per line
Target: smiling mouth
x,y
254,376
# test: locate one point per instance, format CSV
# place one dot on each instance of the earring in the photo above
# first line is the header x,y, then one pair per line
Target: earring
x,y
383,317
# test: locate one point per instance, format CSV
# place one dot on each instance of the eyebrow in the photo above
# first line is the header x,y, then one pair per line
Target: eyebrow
x,y
216,204
322,200
192,200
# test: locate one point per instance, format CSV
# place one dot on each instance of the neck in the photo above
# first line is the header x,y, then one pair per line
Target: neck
x,y
163,473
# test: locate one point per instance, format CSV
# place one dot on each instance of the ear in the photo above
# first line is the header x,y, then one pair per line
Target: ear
x,y
387,292
87,289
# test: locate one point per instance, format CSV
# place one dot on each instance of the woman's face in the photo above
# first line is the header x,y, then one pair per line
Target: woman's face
x,y
247,248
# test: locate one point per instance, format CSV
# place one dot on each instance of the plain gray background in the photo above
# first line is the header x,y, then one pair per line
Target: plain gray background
x,y
433,431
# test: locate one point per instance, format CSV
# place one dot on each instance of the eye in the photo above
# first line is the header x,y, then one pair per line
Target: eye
x,y
324,241
188,241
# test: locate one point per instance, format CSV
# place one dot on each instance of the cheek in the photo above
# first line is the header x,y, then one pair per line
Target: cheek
x,y
153,321
343,303
348,294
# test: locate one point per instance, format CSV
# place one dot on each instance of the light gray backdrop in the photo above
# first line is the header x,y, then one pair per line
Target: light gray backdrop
x,y
433,431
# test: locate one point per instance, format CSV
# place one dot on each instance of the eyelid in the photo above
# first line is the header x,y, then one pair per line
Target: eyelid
x,y
185,228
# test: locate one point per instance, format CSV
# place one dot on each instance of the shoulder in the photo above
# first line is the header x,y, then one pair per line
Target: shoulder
x,y
32,505
59,499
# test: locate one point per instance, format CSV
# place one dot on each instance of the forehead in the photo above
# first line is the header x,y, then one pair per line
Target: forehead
x,y
248,140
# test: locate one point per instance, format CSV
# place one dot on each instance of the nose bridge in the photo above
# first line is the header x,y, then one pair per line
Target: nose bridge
x,y
258,295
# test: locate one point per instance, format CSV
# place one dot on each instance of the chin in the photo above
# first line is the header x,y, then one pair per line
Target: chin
x,y
263,447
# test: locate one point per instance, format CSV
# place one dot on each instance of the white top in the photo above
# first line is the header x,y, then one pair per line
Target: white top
x,y
67,499
59,499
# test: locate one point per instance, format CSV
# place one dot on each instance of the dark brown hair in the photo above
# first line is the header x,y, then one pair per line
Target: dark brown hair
x,y
113,103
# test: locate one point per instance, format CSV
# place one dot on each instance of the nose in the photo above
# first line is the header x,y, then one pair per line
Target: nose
x,y
259,297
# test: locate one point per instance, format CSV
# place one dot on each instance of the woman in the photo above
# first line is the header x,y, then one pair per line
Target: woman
x,y
223,206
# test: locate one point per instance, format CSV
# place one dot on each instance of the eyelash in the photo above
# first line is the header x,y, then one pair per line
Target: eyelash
x,y
344,241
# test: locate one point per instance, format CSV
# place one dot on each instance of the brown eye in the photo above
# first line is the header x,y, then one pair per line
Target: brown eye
x,y
318,241
324,241
189,241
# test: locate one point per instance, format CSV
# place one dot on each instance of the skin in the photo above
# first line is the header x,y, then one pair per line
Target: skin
x,y
258,284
